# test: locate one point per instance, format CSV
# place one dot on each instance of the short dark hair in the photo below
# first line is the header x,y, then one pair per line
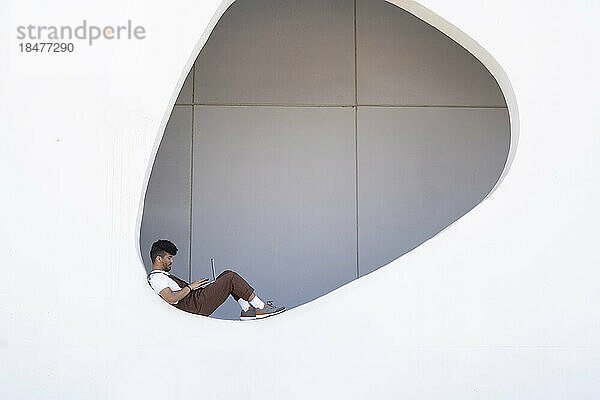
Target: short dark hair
x,y
162,247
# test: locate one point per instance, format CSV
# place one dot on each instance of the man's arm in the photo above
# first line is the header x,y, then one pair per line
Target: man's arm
x,y
173,297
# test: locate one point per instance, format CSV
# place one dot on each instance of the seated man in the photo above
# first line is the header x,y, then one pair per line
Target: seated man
x,y
191,298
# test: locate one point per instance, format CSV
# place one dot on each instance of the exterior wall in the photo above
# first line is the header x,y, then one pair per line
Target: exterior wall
x,y
501,305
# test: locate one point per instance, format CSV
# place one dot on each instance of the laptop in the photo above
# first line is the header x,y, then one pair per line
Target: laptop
x,y
212,267
214,275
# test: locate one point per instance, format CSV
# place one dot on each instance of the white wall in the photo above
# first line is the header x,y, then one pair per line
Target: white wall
x,y
503,304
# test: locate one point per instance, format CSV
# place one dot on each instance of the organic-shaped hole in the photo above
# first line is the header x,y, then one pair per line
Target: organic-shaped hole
x,y
315,141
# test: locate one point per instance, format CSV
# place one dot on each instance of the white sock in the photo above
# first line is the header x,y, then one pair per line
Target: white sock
x,y
244,304
256,302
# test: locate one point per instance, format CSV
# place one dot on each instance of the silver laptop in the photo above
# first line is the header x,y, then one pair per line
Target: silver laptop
x,y
214,275
212,266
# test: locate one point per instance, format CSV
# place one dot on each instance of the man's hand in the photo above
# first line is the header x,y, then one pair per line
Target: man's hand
x,y
198,283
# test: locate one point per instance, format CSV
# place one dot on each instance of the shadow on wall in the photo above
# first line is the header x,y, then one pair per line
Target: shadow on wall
x,y
315,141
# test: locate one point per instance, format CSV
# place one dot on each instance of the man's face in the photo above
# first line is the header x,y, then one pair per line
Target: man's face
x,y
166,261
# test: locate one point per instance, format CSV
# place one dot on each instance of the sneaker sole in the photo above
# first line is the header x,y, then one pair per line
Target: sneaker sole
x,y
247,318
269,315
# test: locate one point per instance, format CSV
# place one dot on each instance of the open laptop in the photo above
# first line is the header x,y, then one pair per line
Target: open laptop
x,y
214,275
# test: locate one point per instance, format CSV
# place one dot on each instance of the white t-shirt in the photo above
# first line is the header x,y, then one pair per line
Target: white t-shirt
x,y
160,280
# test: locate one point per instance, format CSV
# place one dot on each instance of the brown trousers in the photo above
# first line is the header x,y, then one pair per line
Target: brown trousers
x,y
206,301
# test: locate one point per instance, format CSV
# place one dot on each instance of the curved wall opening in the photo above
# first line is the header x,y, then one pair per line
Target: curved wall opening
x,y
315,141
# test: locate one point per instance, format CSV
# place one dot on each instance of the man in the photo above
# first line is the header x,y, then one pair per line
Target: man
x,y
194,299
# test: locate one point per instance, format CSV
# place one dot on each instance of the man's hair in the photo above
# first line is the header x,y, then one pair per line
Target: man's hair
x,y
162,247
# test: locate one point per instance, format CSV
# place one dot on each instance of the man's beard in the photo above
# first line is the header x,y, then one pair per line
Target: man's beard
x,y
168,268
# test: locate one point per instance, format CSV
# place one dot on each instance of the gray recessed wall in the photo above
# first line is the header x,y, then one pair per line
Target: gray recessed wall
x,y
167,204
403,61
186,93
301,181
279,52
274,197
420,169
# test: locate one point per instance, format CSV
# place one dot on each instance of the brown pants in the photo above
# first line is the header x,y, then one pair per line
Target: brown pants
x,y
205,301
